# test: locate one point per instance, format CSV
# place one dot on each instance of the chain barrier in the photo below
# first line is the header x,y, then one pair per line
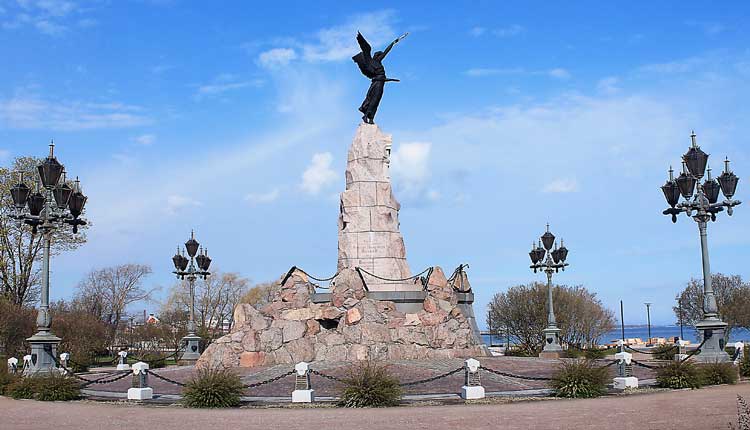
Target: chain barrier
x,y
268,381
611,363
644,365
737,353
323,375
396,280
86,382
510,375
696,351
454,276
434,378
651,353
164,378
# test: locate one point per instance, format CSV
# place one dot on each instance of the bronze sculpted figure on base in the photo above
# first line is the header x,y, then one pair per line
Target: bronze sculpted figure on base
x,y
372,67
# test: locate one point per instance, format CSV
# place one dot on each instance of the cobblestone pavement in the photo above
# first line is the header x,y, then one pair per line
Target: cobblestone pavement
x,y
405,371
707,408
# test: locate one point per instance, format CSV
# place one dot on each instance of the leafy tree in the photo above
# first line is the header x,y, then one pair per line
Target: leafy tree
x,y
20,250
732,299
522,311
83,335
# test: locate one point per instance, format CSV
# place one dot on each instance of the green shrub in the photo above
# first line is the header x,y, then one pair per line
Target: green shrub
x,y
155,360
679,375
580,379
665,352
52,387
745,363
213,388
369,385
6,378
718,373
590,353
57,387
22,388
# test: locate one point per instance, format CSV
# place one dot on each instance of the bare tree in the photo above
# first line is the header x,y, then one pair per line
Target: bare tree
x,y
107,292
259,294
522,312
732,298
215,298
20,250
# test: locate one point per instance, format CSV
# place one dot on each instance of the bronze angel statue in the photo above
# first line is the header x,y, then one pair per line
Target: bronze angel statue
x,y
372,67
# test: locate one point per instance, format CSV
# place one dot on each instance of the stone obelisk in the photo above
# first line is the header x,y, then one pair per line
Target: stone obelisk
x,y
369,235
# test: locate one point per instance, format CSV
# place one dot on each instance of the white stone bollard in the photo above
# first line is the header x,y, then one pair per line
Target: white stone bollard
x,y
303,392
681,345
739,346
26,363
13,365
143,391
624,379
472,388
122,364
64,358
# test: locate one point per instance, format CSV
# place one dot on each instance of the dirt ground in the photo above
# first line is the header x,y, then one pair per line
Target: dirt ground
x,y
707,408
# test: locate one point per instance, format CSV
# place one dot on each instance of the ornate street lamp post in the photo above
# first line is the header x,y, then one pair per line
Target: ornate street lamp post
x,y
53,204
548,258
185,267
701,202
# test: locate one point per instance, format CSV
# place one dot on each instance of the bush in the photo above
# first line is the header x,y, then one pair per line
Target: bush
x,y
580,379
745,363
369,385
718,373
155,359
589,353
665,352
6,378
57,387
213,388
678,375
53,387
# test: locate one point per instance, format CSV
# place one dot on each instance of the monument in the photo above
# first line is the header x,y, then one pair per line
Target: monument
x,y
374,309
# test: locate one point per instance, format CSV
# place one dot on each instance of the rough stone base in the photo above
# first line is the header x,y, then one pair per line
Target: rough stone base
x,y
350,327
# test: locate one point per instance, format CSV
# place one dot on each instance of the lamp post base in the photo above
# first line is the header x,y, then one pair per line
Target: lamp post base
x,y
43,353
192,353
552,348
713,331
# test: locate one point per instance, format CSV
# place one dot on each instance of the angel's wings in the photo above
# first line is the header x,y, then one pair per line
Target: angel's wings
x,y
364,45
364,58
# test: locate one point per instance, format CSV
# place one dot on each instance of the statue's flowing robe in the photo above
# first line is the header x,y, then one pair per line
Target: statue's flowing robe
x,y
374,70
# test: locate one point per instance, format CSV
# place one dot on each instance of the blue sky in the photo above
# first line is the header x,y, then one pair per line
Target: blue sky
x,y
235,120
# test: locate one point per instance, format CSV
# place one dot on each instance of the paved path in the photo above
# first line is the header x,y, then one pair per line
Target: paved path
x,y
707,408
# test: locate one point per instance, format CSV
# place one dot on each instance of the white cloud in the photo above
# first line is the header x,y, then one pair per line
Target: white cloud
x,y
561,185
410,167
510,31
318,174
145,139
50,28
31,112
608,85
477,31
339,43
4,154
276,57
224,83
50,17
177,203
559,73
479,72
266,197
